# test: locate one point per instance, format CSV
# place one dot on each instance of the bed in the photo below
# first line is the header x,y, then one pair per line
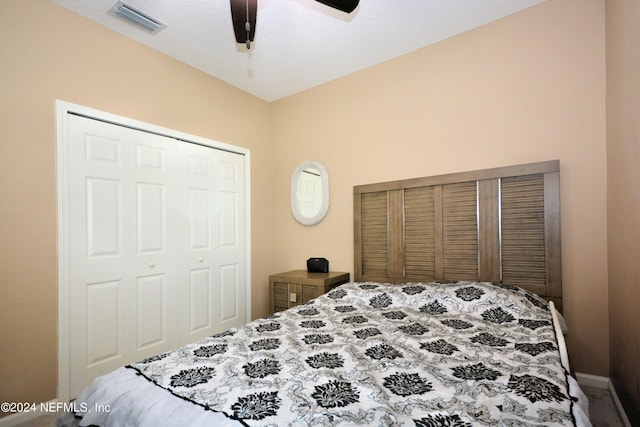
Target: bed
x,y
453,319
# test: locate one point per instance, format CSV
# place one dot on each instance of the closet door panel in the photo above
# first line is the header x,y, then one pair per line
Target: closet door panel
x,y
228,241
105,311
229,299
121,268
99,272
151,222
228,225
103,228
200,315
154,316
152,302
198,283
199,218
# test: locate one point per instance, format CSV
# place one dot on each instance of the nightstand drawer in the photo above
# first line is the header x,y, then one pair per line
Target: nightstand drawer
x,y
299,287
280,295
309,292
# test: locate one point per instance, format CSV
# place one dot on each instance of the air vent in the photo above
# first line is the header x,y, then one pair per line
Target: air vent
x,y
136,17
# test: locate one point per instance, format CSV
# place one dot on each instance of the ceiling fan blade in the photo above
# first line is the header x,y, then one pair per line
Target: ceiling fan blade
x,y
343,5
239,9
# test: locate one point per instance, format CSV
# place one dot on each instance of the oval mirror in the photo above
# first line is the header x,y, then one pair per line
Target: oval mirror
x,y
309,192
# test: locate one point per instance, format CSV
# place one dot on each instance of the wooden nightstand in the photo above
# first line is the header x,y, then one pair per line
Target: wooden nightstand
x,y
297,287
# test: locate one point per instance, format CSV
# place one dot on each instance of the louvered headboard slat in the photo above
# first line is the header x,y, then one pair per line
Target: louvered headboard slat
x,y
500,224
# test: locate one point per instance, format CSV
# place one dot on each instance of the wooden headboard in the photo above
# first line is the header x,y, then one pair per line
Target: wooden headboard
x,y
495,225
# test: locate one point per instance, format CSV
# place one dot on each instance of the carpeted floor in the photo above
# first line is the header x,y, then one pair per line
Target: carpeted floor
x,y
602,411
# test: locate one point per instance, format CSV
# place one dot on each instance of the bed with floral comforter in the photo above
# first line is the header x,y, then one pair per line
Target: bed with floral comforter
x,y
418,354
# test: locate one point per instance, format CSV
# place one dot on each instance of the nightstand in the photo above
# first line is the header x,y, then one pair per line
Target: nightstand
x,y
299,286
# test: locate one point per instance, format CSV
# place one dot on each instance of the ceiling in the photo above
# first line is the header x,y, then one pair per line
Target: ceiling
x,y
298,44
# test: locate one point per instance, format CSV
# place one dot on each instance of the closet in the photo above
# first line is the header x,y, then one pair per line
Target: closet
x,y
156,252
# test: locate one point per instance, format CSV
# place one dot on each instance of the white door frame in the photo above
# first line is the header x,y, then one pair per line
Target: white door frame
x,y
63,109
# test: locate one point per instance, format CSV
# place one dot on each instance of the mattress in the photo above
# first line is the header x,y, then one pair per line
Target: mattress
x,y
416,354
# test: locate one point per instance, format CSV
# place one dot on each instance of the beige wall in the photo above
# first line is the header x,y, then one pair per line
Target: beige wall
x,y
49,53
527,88
623,174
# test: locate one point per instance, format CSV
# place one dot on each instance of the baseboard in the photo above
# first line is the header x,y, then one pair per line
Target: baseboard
x,y
596,381
592,380
37,410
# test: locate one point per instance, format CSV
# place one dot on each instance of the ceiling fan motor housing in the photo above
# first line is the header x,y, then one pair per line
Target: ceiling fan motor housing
x,y
244,13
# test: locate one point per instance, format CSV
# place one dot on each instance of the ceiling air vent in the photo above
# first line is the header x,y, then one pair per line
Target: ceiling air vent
x,y
136,17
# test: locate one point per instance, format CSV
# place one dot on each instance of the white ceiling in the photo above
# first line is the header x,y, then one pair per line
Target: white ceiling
x,y
298,43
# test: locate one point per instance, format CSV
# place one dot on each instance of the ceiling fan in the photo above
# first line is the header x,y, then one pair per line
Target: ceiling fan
x,y
244,12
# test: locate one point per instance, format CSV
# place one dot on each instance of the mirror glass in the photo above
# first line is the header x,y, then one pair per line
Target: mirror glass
x,y
309,192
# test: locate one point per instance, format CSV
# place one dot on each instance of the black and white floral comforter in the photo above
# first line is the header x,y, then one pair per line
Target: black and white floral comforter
x,y
455,354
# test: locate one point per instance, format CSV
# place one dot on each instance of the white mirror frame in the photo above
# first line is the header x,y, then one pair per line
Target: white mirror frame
x,y
324,177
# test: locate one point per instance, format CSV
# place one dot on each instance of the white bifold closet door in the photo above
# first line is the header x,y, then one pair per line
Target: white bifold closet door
x,y
156,242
